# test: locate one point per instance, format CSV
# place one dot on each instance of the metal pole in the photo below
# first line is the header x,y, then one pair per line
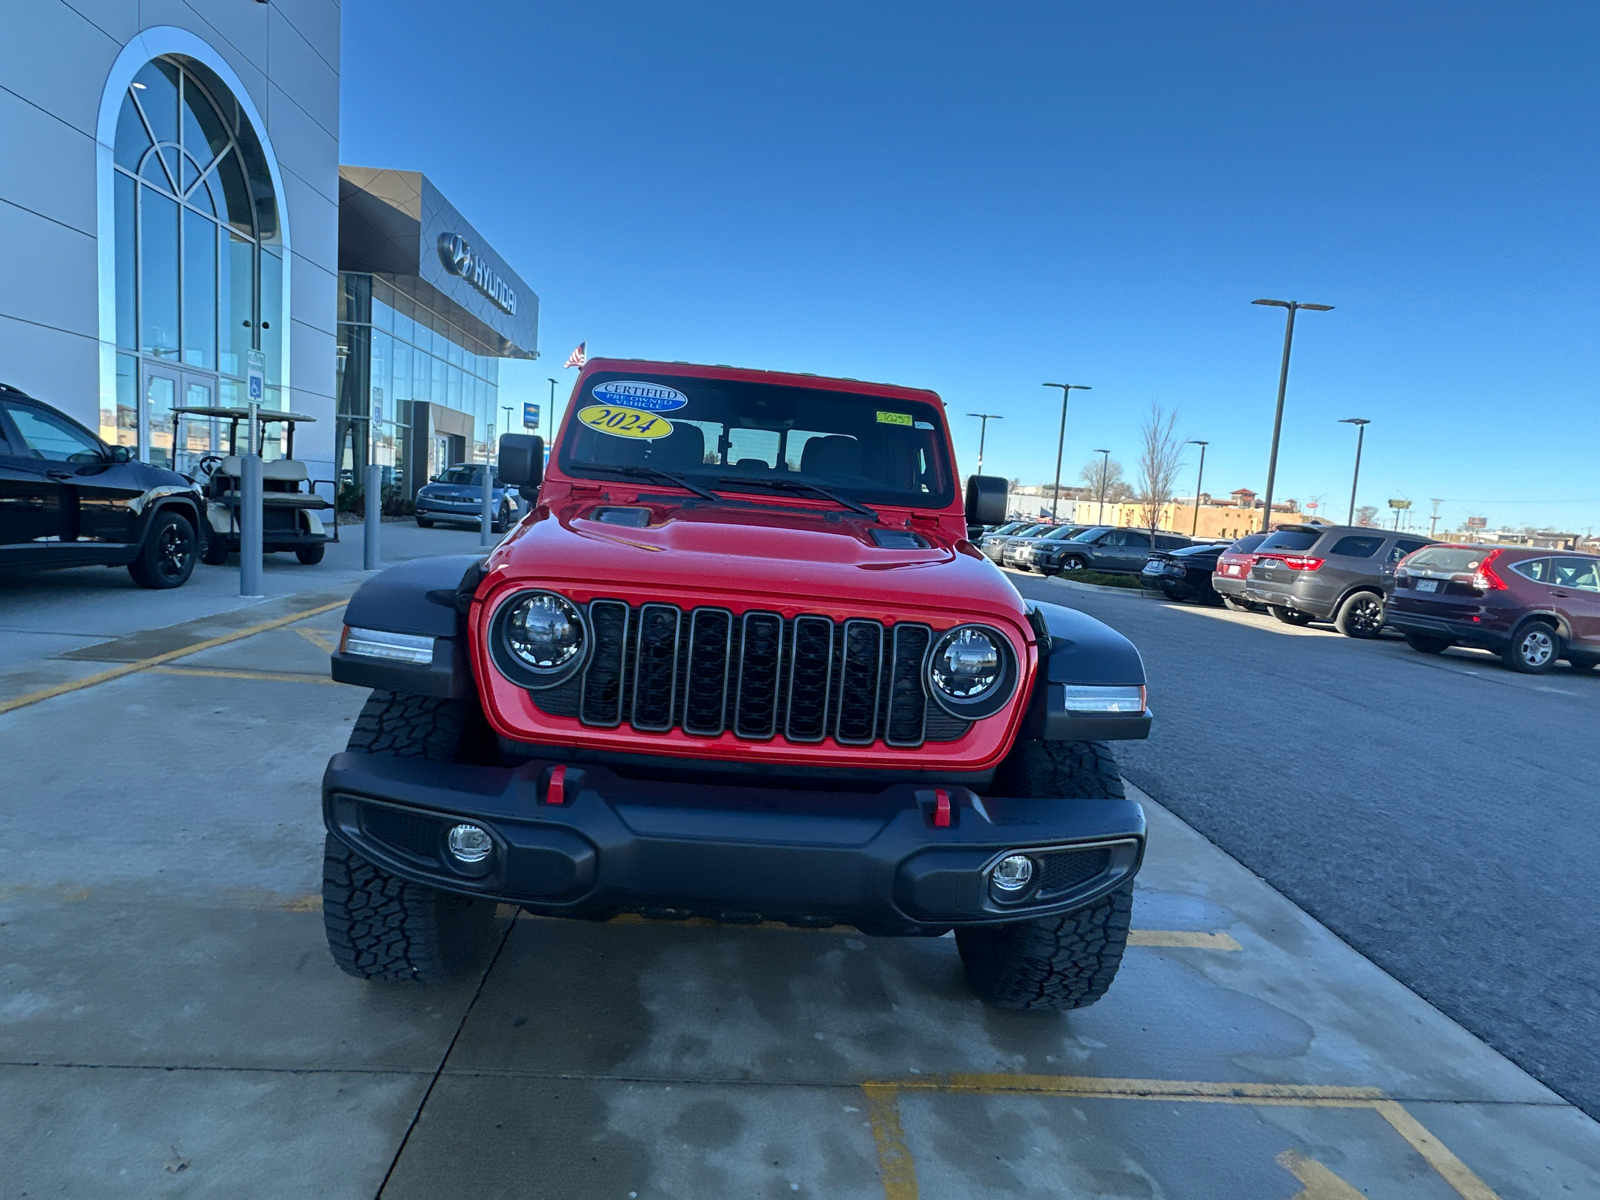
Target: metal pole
x,y
1194,530
1361,436
250,543
1277,421
486,532
1105,467
983,431
371,552
1061,442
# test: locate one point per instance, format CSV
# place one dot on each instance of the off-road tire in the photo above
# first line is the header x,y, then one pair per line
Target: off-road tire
x,y
310,556
1360,616
1423,644
167,555
1533,648
1063,961
380,926
1049,962
1289,616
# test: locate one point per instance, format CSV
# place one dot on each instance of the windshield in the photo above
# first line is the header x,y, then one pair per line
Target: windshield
x,y
466,473
1060,531
738,436
1247,543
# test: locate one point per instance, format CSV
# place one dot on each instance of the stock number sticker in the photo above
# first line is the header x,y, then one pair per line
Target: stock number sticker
x,y
624,422
889,418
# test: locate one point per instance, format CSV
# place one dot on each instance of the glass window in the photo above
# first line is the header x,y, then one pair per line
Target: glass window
x,y
382,314
382,370
1134,538
271,340
1454,560
125,431
155,88
1536,569
457,354
404,327
749,448
402,371
126,283
1409,546
46,435
1579,573
199,291
1291,541
234,304
452,393
204,135
132,137
1357,547
158,272
235,194
436,387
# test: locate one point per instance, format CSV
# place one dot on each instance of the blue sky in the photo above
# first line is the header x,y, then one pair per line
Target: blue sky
x,y
980,198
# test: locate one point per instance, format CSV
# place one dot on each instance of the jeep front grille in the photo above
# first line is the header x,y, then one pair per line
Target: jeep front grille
x,y
707,671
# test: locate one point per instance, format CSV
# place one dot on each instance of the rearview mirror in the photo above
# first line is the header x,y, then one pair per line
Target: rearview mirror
x,y
120,454
521,463
986,499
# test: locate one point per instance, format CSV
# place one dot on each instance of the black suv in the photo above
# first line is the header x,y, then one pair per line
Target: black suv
x,y
1103,548
1337,573
69,500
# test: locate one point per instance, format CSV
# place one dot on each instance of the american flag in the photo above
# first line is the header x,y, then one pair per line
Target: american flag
x,y
577,358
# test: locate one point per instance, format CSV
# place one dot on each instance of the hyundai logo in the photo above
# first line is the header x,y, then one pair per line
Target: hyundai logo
x,y
456,254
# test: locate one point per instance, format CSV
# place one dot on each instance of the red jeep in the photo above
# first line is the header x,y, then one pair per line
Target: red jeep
x,y
742,661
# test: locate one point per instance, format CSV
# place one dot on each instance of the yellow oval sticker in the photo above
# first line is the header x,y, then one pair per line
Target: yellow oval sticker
x,y
624,422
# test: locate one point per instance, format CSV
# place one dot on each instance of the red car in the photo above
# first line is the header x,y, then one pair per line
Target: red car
x,y
1233,568
1530,606
743,661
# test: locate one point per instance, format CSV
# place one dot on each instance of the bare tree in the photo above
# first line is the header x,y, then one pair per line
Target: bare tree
x,y
1106,473
1367,515
1160,451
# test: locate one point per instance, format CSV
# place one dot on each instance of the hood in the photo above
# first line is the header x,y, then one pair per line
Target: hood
x,y
788,555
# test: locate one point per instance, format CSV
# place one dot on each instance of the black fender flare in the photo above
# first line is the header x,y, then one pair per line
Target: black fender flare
x,y
191,508
1074,648
427,597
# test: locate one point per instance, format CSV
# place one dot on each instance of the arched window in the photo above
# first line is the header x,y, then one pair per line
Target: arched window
x,y
199,259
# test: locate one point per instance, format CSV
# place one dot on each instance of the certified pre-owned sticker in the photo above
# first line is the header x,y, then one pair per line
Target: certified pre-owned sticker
x,y
891,418
635,393
624,422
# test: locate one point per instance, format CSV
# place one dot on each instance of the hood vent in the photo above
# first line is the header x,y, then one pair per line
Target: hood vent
x,y
634,518
899,539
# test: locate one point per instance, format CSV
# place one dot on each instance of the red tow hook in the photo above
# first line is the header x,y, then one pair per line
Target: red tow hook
x,y
556,793
936,807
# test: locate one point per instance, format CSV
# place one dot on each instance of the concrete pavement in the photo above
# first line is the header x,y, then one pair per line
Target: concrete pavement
x,y
171,1023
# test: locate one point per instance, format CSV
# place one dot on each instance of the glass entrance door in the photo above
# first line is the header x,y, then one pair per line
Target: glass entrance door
x,y
157,398
200,434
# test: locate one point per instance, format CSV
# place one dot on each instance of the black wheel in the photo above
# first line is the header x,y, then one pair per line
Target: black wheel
x,y
216,549
1423,644
1533,648
424,523
1238,605
378,925
1072,563
1063,961
166,560
1289,616
1360,616
310,555
502,522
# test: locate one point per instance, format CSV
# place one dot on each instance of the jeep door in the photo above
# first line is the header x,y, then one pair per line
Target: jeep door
x,y
95,495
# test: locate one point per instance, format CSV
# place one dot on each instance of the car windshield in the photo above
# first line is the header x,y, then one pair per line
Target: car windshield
x,y
1058,532
745,436
466,473
1455,560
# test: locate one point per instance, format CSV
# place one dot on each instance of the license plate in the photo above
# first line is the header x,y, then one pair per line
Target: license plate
x,y
1153,569
1231,569
1427,585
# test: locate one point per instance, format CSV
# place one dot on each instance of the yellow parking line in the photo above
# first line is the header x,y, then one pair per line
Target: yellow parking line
x,y
1138,1089
220,673
144,664
317,638
1181,939
895,1168
1455,1172
1321,1183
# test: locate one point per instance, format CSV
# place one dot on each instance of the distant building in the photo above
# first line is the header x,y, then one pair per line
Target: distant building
x,y
1238,515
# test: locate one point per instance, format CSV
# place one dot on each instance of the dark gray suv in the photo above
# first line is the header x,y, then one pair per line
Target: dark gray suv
x,y
1337,573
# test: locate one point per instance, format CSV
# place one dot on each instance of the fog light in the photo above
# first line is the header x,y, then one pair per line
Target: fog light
x,y
1012,874
469,844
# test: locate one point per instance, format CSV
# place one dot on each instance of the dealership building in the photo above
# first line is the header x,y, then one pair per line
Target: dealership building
x,y
177,225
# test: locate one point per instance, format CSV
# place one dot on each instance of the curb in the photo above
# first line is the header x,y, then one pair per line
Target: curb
x,y
1109,591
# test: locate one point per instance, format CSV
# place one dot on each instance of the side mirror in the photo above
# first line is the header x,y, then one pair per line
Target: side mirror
x,y
986,499
120,454
521,463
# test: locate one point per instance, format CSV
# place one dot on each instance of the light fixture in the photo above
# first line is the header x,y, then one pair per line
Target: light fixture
x,y
971,671
1012,875
470,844
539,639
1094,698
381,643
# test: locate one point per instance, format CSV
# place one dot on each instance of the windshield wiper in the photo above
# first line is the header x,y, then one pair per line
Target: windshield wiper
x,y
635,471
796,485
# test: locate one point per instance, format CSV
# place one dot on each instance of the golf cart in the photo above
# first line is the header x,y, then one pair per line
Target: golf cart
x,y
289,502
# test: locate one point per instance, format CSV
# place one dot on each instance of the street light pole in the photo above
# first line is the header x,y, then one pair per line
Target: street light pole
x,y
1199,479
552,402
506,408
1105,468
983,431
1061,440
1292,306
1361,424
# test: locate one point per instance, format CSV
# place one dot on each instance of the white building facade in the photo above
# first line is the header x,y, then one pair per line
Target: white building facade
x,y
169,204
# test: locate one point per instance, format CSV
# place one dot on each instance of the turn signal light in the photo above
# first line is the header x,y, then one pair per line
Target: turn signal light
x,y
1300,562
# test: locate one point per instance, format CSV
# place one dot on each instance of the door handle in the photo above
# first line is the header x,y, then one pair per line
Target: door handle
x,y
59,474
1554,592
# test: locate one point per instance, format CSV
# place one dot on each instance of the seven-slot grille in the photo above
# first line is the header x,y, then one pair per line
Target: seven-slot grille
x,y
757,675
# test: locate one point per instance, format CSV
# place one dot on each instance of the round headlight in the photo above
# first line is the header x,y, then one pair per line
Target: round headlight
x,y
971,671
540,639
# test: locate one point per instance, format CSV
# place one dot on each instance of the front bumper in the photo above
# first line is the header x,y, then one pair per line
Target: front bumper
x,y
897,861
